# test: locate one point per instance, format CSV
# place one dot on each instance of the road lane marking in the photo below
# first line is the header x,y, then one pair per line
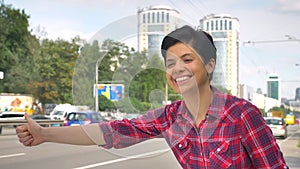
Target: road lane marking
x,y
12,155
123,159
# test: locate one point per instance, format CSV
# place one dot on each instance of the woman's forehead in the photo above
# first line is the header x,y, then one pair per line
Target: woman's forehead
x,y
181,50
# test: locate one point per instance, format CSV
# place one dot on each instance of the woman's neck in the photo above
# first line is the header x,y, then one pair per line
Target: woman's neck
x,y
198,104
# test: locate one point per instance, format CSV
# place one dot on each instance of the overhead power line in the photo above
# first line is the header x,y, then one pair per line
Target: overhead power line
x,y
290,38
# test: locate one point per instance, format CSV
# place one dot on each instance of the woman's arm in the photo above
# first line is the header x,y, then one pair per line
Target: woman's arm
x,y
33,134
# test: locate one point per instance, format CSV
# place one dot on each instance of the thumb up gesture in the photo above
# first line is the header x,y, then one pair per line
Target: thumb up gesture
x,y
31,133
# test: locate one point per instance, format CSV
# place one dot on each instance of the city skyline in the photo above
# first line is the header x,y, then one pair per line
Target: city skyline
x,y
262,23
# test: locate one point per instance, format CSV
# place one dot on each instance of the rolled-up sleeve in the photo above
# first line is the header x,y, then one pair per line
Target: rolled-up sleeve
x,y
124,133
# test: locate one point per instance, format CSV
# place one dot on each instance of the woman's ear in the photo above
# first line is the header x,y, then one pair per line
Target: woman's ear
x,y
210,66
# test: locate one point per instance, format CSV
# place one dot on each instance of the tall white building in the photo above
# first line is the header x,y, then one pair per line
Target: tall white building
x,y
154,23
225,31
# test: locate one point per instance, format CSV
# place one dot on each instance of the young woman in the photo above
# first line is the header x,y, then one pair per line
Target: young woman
x,y
207,129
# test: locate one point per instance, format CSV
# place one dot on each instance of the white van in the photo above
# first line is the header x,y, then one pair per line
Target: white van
x,y
61,111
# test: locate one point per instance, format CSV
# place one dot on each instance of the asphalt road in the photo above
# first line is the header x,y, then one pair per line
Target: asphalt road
x,y
148,155
289,147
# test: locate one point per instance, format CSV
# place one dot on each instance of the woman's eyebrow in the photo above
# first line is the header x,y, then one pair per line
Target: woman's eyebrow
x,y
170,59
185,55
181,57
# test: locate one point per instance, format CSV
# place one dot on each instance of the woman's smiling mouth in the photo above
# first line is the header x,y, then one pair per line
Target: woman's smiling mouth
x,y
182,80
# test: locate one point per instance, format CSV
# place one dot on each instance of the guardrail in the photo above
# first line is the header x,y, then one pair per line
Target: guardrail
x,y
47,123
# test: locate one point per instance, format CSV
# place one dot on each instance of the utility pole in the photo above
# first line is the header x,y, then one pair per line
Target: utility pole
x,y
96,87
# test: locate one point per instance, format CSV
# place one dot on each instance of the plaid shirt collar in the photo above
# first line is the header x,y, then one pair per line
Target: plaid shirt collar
x,y
215,110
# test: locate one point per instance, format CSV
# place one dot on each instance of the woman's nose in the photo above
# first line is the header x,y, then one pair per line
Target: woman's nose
x,y
179,67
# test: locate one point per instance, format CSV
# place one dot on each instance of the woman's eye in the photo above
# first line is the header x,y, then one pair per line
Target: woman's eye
x,y
169,65
188,60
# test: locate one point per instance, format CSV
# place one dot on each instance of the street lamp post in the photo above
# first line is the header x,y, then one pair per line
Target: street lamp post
x,y
96,87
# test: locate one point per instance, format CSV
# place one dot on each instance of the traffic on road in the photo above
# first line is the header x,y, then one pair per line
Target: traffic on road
x,y
147,155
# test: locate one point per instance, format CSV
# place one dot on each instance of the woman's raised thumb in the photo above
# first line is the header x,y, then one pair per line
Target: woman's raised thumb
x,y
28,118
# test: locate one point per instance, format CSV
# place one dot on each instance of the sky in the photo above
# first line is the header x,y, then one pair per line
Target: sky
x,y
268,20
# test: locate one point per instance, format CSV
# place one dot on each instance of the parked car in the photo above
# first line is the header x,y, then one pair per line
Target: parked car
x,y
277,125
9,115
82,118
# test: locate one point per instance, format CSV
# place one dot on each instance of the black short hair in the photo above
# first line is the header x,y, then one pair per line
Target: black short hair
x,y
199,40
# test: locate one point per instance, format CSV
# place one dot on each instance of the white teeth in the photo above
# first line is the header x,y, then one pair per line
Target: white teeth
x,y
181,79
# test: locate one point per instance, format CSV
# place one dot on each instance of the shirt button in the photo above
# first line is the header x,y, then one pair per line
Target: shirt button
x,y
218,150
180,145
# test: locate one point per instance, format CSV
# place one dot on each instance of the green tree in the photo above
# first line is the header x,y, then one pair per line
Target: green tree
x,y
105,104
130,105
56,69
151,77
113,54
85,75
18,50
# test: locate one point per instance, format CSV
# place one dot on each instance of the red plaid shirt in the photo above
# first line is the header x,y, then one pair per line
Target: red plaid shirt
x,y
233,135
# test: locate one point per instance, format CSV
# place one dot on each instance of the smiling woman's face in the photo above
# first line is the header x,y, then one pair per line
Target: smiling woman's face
x,y
185,69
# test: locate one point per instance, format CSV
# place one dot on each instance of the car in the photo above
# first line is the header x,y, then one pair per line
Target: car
x,y
277,125
41,117
61,111
82,118
58,115
131,116
10,115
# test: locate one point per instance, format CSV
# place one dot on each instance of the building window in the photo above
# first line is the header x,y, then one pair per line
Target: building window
x,y
163,17
230,25
212,25
148,18
225,25
217,24
153,17
207,26
157,17
144,18
221,24
168,18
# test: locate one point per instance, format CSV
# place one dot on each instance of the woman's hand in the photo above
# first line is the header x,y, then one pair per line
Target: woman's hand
x,y
30,134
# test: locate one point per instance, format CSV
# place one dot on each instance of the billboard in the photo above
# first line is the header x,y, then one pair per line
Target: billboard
x,y
113,92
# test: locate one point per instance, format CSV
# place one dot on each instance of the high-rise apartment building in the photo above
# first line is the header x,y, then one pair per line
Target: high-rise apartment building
x,y
274,87
297,95
225,31
154,23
